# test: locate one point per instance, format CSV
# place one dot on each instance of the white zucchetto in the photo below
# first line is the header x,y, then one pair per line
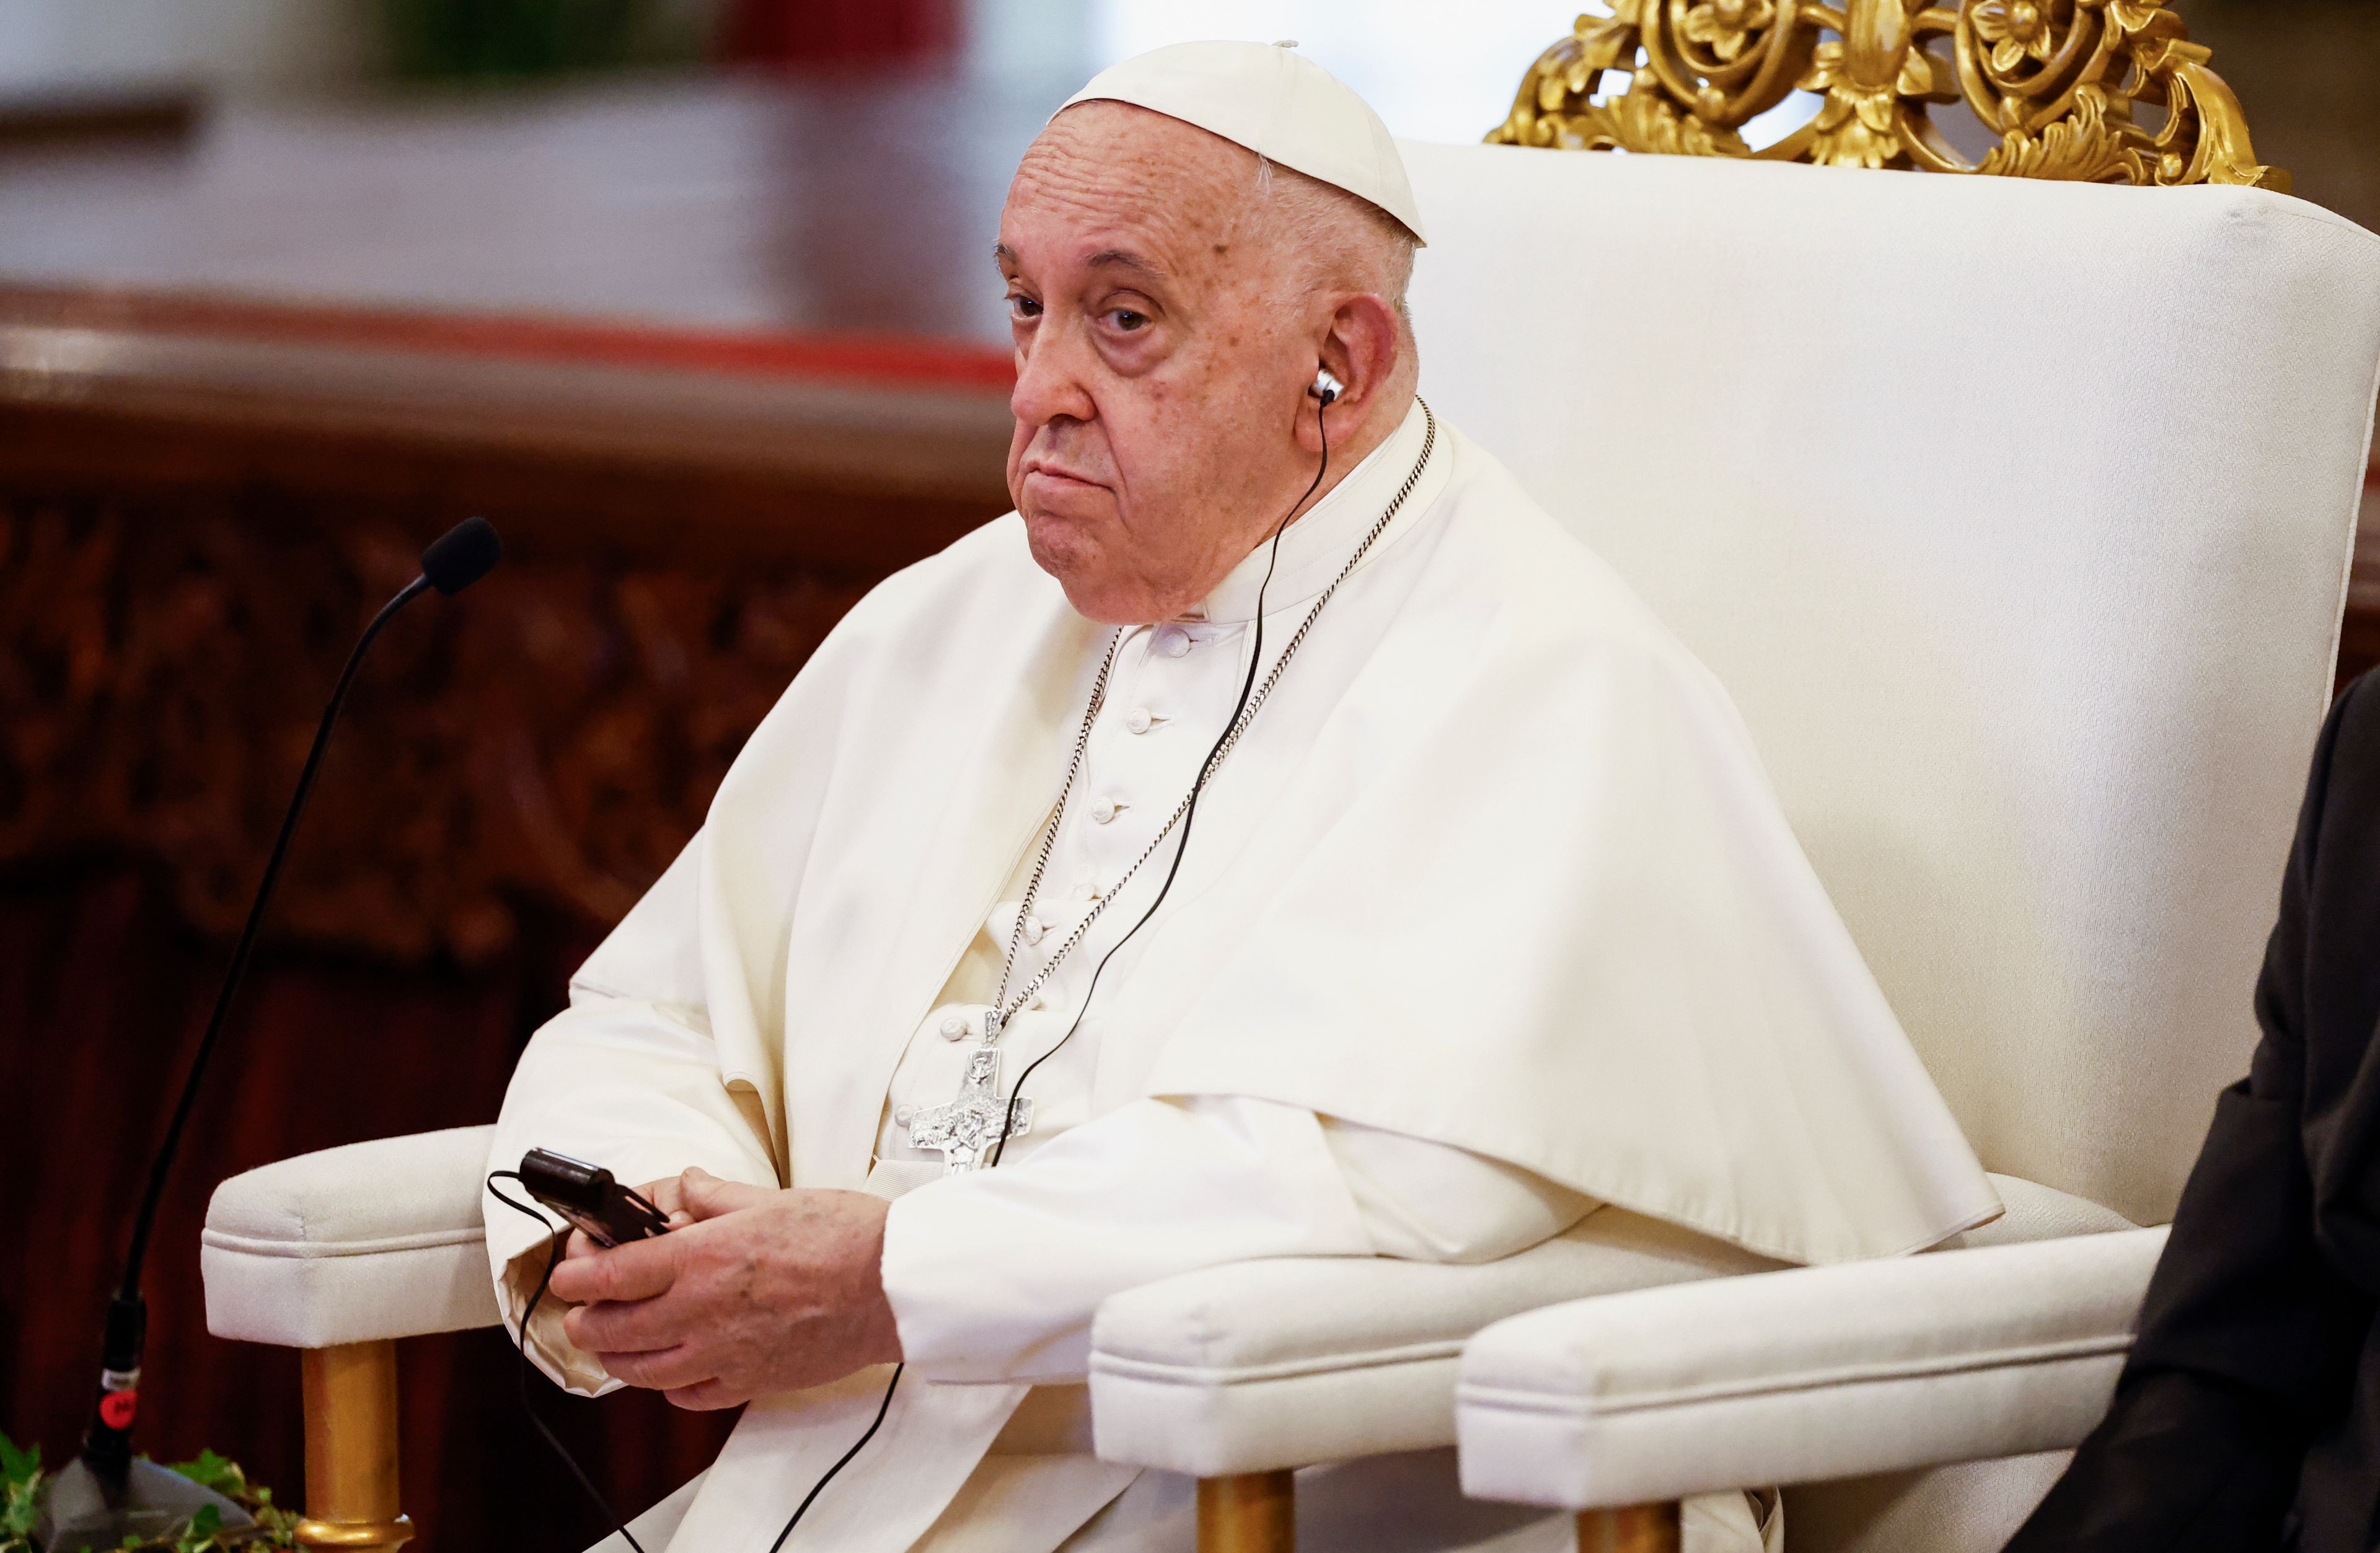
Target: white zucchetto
x,y
1278,103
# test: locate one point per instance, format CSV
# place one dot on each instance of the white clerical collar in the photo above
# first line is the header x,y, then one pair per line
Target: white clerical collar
x,y
1317,546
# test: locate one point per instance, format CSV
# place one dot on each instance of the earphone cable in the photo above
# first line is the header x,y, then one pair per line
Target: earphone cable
x,y
1190,813
1181,848
1008,1114
553,1258
561,1234
820,1487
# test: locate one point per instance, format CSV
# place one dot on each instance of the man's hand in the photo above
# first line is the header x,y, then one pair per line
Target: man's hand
x,y
760,1291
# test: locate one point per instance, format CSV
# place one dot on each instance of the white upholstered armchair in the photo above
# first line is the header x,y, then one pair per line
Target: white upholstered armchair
x,y
2015,516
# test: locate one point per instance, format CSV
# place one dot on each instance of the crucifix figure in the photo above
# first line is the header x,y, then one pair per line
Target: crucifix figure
x,y
966,1129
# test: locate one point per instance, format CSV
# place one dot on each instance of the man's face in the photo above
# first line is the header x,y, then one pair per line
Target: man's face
x,y
1162,360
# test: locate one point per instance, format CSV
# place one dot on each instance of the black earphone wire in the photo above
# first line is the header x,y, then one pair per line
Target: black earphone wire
x,y
553,1258
1198,788
561,1234
820,1487
1008,1116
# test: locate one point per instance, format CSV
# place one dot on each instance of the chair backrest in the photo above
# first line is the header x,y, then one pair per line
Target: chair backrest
x,y
2014,514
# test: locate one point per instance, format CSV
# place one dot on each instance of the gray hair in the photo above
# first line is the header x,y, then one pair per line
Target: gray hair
x,y
1346,238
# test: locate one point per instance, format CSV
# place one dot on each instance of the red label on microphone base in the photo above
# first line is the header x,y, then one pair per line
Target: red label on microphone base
x,y
116,1409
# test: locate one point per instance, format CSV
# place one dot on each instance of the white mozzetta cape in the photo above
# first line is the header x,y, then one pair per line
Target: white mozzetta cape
x,y
1495,867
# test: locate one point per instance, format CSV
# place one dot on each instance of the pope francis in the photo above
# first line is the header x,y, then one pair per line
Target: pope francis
x,y
1274,838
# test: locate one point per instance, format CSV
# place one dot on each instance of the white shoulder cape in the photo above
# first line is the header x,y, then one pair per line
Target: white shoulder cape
x,y
1497,867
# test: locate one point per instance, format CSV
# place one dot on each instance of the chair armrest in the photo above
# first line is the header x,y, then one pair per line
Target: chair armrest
x,y
1807,1373
371,1241
1255,1366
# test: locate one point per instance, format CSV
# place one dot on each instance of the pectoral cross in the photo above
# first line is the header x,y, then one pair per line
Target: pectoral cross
x,y
967,1128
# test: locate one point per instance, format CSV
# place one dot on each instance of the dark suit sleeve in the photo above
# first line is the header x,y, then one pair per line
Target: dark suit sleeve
x,y
2248,1338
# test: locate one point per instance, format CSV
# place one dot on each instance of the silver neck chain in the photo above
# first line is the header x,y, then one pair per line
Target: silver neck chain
x,y
1003,1007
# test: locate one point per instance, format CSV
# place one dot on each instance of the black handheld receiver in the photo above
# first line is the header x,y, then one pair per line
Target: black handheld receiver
x,y
590,1200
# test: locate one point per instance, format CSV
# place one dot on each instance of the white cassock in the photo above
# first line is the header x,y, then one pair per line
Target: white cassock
x,y
1489,920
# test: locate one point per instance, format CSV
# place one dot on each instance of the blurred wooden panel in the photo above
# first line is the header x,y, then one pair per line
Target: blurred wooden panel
x,y
715,355
855,203
198,506
192,533
102,991
642,449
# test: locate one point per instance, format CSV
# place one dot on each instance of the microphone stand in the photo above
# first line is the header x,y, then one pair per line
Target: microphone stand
x,y
107,1495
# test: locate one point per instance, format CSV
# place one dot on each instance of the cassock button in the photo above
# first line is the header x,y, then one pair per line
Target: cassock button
x,y
1140,721
954,1027
1104,810
904,1115
1086,891
1033,929
1173,641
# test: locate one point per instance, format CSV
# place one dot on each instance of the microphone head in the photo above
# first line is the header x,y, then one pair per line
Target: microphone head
x,y
462,555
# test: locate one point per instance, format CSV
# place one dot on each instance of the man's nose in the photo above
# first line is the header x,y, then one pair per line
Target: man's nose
x,y
1049,380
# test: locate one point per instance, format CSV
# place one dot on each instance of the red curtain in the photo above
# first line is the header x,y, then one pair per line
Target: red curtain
x,y
798,32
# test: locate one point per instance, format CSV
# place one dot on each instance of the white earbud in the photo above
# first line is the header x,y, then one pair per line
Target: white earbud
x,y
1325,387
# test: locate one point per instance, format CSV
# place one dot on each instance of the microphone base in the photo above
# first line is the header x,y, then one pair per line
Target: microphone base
x,y
86,1512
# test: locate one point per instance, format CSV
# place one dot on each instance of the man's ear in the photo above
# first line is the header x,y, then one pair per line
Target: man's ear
x,y
1362,348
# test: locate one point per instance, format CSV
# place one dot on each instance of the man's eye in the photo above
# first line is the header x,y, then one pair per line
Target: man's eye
x,y
1126,319
1025,307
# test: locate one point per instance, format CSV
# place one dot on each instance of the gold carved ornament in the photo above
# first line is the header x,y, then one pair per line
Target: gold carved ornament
x,y
2057,80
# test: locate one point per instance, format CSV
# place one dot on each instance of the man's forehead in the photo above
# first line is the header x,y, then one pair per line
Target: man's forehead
x,y
1126,189
1129,160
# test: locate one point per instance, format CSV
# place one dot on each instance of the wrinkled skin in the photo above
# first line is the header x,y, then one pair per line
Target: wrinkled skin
x,y
1168,322
752,1291
1167,331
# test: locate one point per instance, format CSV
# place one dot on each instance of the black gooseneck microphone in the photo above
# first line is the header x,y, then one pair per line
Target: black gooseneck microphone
x,y
106,1494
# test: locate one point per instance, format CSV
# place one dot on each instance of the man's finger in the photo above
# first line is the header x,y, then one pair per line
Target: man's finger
x,y
709,1396
623,1327
667,1369
668,1195
638,1270
707,1196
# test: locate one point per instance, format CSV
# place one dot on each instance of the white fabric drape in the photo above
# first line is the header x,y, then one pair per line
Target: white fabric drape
x,y
1490,917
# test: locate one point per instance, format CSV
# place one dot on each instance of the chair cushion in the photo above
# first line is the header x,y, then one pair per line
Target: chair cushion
x,y
1299,1360
1256,1365
1806,1373
2037,1212
373,1240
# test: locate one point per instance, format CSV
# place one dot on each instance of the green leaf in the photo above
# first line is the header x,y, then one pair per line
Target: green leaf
x,y
218,1473
17,1466
199,1534
20,1495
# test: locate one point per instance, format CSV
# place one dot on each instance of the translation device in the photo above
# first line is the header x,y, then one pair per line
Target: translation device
x,y
590,1200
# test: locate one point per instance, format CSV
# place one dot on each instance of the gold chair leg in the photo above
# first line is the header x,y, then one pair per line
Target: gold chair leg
x,y
1636,1528
1248,1512
351,1448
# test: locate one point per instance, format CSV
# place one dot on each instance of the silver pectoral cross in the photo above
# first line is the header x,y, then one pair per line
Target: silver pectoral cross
x,y
967,1129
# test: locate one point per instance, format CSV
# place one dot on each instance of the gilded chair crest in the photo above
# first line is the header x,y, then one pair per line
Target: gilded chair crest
x,y
2058,81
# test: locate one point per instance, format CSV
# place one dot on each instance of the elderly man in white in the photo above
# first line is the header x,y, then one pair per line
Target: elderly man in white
x,y
1275,838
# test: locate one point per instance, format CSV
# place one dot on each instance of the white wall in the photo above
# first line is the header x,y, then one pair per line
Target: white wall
x,y
1435,70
